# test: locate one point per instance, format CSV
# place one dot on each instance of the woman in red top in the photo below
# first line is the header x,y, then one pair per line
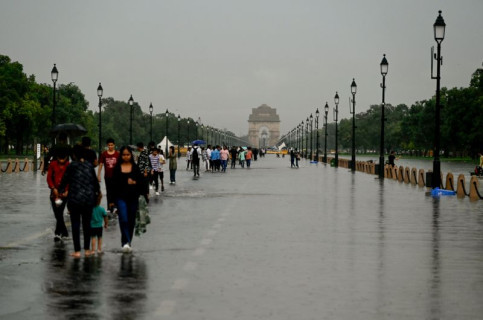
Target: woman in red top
x,y
54,176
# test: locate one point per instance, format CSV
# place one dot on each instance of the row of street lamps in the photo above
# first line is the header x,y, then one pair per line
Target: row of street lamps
x,y
439,31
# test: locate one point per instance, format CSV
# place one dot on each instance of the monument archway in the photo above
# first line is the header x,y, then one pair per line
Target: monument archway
x,y
263,127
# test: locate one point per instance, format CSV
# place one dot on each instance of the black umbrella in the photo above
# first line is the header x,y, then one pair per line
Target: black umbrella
x,y
71,129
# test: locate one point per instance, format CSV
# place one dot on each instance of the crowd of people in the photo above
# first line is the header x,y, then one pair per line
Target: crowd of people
x,y
74,184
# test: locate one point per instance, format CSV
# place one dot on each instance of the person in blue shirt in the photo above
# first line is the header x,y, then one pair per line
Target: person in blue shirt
x,y
215,157
99,215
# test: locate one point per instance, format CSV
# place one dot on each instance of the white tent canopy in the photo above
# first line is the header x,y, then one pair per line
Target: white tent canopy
x,y
162,144
280,147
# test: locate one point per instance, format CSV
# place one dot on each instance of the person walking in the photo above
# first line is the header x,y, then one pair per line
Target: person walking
x,y
224,155
108,160
99,215
144,165
241,157
83,188
155,160
173,165
128,187
292,158
233,154
248,156
195,160
55,173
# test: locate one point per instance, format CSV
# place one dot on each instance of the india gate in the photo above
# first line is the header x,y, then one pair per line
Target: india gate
x,y
263,127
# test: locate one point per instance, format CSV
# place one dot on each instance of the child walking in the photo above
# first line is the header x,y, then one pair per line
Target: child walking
x,y
99,214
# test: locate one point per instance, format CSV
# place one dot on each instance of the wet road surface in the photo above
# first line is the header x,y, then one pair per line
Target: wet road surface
x,y
266,243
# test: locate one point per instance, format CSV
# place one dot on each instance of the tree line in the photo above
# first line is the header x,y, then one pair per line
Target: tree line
x,y
26,110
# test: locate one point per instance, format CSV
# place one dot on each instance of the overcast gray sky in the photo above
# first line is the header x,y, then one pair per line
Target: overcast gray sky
x,y
218,59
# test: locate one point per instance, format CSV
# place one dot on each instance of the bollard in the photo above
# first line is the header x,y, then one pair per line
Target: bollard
x,y
407,175
414,176
9,166
474,185
26,165
449,182
460,188
429,178
421,181
17,166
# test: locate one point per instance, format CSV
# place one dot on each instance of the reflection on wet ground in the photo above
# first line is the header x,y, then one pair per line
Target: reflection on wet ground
x,y
268,243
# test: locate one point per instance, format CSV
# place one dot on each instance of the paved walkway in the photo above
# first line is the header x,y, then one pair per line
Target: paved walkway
x,y
265,243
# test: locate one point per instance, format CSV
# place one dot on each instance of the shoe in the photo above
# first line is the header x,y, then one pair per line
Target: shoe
x,y
150,187
57,238
64,238
157,193
162,188
126,248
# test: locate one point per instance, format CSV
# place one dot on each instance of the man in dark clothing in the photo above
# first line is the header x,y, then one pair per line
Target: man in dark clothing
x,y
89,154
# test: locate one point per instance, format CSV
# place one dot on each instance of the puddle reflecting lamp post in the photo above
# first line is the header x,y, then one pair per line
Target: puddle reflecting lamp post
x,y
336,118
326,111
384,69
353,112
439,29
99,94
179,124
166,130
151,121
131,104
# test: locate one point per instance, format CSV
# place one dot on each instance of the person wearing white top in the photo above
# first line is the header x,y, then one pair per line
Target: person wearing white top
x,y
157,161
208,158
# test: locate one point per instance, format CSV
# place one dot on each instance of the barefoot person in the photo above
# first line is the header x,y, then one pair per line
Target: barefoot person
x,y
128,183
82,192
99,215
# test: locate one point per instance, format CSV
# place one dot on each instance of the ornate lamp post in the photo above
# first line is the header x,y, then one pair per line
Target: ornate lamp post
x,y
317,147
353,112
166,131
336,118
311,135
151,122
439,30
131,104
326,111
302,138
188,123
54,74
99,94
179,124
384,69
307,138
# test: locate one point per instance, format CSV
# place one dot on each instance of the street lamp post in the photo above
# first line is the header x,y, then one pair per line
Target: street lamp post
x,y
353,111
326,111
131,104
99,94
311,135
439,30
384,69
151,121
188,123
166,131
336,118
302,138
179,124
317,147
307,138
54,75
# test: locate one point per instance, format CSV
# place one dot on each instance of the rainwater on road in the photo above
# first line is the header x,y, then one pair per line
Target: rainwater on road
x,y
268,242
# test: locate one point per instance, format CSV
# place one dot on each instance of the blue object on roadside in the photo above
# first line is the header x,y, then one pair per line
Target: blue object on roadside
x,y
436,192
313,161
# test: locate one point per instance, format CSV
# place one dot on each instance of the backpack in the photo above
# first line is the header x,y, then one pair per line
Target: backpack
x,y
195,157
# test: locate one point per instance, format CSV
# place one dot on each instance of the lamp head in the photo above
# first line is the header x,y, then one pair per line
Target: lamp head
x,y
54,74
151,107
131,101
439,28
336,98
326,109
99,90
353,86
384,66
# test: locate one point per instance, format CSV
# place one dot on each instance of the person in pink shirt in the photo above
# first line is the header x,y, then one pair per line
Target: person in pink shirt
x,y
224,155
